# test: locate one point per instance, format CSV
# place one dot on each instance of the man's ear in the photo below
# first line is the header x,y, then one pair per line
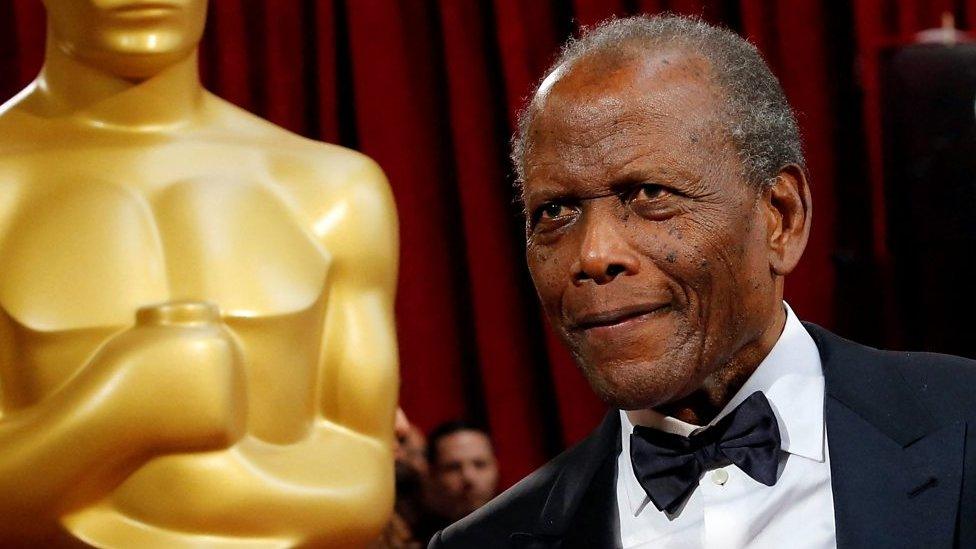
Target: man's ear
x,y
789,210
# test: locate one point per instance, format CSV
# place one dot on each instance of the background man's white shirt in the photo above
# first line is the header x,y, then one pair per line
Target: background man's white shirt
x,y
729,509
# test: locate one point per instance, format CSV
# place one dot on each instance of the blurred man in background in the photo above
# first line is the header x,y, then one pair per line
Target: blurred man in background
x,y
463,473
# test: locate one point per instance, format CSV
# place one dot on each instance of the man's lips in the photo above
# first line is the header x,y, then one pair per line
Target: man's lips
x,y
612,318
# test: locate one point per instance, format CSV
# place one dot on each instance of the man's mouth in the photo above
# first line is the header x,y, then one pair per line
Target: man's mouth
x,y
613,319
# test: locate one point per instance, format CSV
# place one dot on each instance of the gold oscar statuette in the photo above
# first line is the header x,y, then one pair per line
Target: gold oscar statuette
x,y
197,346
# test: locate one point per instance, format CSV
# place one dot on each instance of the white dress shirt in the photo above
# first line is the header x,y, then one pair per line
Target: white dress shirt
x,y
729,509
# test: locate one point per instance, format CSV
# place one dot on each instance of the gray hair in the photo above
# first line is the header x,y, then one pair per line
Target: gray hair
x,y
758,118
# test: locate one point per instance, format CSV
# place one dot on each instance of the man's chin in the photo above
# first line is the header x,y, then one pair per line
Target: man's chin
x,y
472,506
634,385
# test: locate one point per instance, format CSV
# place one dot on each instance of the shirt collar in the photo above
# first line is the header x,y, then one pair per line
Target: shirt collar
x,y
791,376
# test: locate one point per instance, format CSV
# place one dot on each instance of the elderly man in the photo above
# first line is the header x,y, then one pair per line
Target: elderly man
x,y
667,200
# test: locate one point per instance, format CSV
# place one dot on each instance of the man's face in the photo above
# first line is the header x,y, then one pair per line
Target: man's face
x,y
466,472
648,249
129,38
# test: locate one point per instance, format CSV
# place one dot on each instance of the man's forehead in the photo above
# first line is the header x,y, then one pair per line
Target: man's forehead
x,y
620,84
466,437
599,116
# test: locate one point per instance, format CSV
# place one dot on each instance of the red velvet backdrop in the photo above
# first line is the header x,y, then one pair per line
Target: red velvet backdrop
x,y
430,90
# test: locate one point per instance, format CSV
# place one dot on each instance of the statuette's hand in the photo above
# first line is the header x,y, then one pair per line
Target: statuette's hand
x,y
178,378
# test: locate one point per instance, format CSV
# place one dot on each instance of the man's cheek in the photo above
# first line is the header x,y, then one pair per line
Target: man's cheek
x,y
538,270
548,285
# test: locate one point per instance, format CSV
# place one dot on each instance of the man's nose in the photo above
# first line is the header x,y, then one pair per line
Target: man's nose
x,y
467,476
604,253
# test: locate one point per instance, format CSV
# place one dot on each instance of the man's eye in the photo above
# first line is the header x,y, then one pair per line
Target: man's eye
x,y
552,210
648,191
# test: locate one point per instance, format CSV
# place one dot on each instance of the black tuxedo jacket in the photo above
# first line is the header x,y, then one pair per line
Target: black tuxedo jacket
x,y
902,463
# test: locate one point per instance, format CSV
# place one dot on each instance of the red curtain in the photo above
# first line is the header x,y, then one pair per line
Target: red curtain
x,y
430,89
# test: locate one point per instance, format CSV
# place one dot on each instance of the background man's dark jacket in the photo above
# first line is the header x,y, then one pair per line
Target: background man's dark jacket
x,y
902,463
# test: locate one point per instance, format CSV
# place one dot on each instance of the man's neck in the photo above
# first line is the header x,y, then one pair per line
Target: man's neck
x,y
68,87
702,405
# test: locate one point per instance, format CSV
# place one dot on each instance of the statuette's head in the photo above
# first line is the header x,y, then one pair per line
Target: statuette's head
x,y
133,39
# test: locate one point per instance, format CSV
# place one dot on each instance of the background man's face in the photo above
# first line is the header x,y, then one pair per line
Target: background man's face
x,y
647,248
465,476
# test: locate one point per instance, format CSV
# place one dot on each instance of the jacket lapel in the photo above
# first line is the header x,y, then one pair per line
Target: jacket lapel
x,y
580,509
896,470
596,524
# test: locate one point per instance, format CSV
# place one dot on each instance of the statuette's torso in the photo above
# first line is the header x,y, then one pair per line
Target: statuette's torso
x,y
96,222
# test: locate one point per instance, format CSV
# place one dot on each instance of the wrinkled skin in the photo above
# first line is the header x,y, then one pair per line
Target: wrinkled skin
x,y
657,263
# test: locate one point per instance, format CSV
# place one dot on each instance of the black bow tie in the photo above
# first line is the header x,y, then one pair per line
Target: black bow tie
x,y
668,466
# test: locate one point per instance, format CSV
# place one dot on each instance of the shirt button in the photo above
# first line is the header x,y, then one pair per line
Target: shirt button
x,y
720,477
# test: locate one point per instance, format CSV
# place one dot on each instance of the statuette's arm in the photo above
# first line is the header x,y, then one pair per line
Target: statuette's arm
x,y
154,389
360,381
